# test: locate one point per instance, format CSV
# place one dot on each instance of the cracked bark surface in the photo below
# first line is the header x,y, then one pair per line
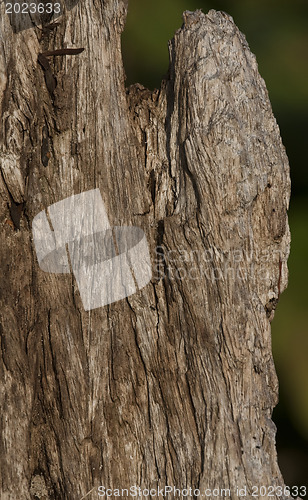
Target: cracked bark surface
x,y
176,384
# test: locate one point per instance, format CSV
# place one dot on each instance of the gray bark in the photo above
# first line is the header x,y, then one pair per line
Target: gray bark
x,y
174,385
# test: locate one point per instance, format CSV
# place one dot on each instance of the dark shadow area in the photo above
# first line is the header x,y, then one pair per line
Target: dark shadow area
x,y
292,449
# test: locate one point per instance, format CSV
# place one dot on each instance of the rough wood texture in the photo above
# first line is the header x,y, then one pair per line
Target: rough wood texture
x,y
174,385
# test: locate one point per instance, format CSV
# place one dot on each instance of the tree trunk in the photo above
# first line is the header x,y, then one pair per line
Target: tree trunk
x,y
173,385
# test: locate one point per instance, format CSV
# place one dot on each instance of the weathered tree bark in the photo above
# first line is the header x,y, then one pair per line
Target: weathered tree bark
x,y
174,385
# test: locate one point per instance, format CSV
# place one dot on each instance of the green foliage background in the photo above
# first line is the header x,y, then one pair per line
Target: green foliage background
x,y
277,34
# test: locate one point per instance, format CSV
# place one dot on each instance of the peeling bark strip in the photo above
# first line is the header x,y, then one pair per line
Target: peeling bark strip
x,y
62,52
50,80
174,385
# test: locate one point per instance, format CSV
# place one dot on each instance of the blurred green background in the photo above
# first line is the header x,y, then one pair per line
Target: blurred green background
x,y
277,33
